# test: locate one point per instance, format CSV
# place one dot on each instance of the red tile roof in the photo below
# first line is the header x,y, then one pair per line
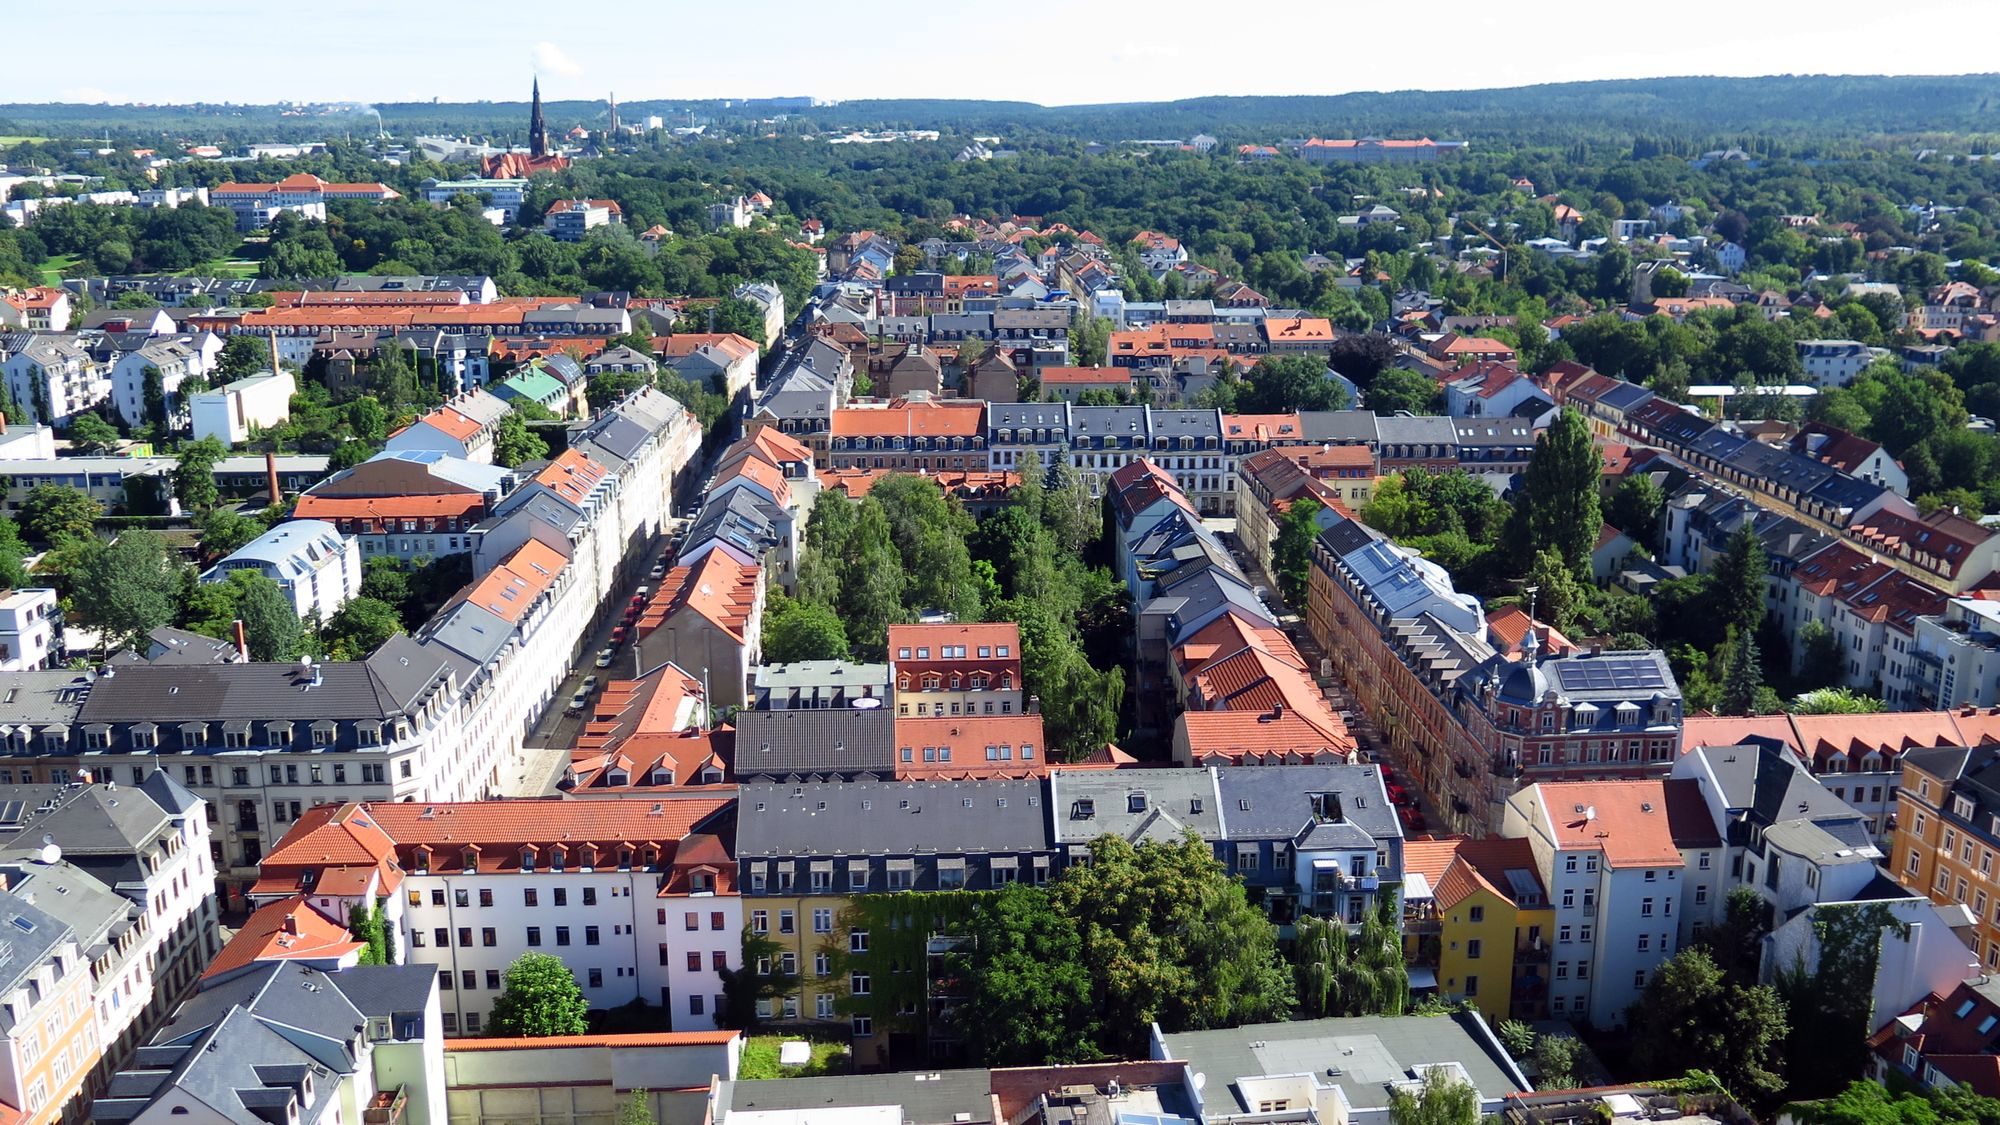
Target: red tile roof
x,y
509,590
1632,822
285,930
912,419
975,742
683,344
717,587
642,725
572,476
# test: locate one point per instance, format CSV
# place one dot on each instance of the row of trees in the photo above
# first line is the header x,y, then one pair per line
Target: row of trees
x,y
906,548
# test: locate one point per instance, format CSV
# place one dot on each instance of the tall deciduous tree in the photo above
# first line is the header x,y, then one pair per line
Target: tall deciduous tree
x,y
1291,555
90,433
799,630
127,588
538,998
515,444
270,623
1558,506
1358,974
194,475
1169,937
1689,1017
1029,989
53,513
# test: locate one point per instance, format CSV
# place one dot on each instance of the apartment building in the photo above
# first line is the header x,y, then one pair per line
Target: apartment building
x,y
288,1042
906,435
1270,481
317,567
1618,858
951,669
1945,835
30,629
49,1040
175,361
53,378
464,427
128,870
1956,658
808,850
637,897
408,504
1478,925
303,194
707,617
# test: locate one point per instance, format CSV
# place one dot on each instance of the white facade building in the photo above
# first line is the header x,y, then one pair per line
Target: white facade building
x,y
318,568
53,379
175,360
30,630
1619,865
230,412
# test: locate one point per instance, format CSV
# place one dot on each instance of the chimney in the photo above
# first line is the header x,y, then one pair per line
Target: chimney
x,y
242,643
273,336
292,924
277,495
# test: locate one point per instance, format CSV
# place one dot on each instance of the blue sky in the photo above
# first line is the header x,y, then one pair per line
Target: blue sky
x,y
1061,52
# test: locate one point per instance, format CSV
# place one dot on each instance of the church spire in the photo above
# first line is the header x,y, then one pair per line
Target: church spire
x,y
538,130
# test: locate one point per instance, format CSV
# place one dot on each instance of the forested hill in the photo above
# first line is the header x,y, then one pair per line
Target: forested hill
x,y
1786,105
1701,110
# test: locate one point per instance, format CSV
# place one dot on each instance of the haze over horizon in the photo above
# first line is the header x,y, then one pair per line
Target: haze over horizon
x,y
1113,52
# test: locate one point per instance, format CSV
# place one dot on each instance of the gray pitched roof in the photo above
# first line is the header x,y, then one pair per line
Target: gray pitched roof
x,y
1269,802
388,683
817,741
1137,805
900,818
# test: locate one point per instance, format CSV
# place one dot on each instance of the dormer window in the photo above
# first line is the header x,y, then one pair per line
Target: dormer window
x,y
1962,807
470,859
625,859
660,776
1135,802
528,858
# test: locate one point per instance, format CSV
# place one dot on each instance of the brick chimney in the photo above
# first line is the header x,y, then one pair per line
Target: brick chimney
x,y
271,478
291,924
242,644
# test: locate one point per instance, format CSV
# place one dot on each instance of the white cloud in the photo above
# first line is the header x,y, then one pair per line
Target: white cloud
x,y
551,59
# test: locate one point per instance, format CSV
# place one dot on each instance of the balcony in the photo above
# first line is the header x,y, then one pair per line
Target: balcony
x,y
1529,954
386,1107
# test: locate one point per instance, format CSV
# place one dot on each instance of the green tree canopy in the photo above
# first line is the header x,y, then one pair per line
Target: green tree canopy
x,y
194,475
1400,390
1029,990
800,630
1690,1018
90,433
1440,1100
1170,938
1291,555
126,588
53,513
514,444
1557,507
538,998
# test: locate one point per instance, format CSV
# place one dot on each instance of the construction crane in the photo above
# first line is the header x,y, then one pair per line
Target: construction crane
x,y
1496,244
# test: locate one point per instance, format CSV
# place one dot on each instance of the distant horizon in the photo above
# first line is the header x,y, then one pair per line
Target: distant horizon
x,y
1115,52
363,105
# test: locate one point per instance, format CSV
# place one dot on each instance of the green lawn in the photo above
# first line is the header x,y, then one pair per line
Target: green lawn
x,y
53,268
760,1059
6,141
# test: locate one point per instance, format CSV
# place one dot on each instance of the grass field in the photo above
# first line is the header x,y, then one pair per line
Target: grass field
x,y
6,141
52,268
760,1059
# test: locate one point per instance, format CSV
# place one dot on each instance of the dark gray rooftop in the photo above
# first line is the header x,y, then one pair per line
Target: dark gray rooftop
x,y
1267,802
816,741
925,1098
388,683
889,818
1136,805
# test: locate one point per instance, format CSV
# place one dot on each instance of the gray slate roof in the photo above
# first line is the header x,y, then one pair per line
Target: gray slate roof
x,y
1269,802
1136,805
388,683
1368,1053
897,818
818,741
953,1097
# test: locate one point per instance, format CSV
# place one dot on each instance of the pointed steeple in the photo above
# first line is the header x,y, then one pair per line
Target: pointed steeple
x,y
538,130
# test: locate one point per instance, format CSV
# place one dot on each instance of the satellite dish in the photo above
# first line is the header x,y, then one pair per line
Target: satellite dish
x,y
50,853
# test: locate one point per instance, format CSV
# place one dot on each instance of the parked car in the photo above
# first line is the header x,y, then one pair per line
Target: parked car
x,y
619,634
589,683
577,701
659,570
604,656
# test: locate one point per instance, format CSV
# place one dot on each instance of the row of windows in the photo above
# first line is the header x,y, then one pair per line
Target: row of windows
x,y
924,708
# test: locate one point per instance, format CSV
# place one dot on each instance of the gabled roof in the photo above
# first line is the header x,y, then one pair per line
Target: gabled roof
x,y
716,587
285,930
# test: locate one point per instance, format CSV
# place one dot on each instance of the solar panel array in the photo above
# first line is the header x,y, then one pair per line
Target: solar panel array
x,y
1612,675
